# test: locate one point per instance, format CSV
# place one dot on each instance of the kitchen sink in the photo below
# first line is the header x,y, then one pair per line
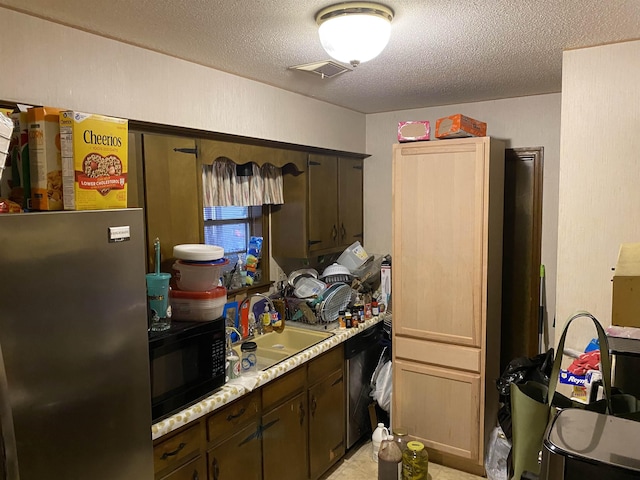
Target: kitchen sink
x,y
274,347
266,359
292,340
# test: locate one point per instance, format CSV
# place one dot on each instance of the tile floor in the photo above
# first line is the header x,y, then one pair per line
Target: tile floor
x,y
358,465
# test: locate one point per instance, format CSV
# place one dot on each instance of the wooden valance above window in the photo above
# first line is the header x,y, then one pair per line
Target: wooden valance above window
x,y
240,154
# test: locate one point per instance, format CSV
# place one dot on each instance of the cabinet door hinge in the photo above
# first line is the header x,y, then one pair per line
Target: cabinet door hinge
x,y
192,151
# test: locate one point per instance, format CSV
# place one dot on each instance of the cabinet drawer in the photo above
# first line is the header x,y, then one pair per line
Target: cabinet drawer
x,y
173,451
196,469
285,387
435,353
232,417
326,364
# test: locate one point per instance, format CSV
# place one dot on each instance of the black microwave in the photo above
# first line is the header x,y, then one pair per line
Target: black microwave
x,y
187,363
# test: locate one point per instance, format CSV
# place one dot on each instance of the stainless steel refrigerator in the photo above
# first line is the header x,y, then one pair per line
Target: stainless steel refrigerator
x,y
75,401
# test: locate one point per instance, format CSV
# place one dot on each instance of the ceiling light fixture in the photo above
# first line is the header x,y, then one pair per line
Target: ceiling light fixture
x,y
354,32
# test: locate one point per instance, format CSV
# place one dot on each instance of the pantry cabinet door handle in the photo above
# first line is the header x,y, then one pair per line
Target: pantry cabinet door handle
x,y
237,415
166,455
215,468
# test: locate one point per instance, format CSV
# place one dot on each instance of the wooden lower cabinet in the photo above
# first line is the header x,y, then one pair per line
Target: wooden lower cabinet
x,y
240,456
326,423
196,469
292,428
284,441
441,402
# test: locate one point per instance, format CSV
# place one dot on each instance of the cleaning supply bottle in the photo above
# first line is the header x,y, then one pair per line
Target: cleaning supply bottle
x,y
232,363
389,460
379,434
415,462
265,319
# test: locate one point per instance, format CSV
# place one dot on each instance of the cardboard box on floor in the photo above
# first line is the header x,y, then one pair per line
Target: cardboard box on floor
x,y
625,304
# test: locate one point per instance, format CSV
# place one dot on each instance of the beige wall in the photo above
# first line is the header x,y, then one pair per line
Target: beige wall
x,y
599,177
522,122
48,64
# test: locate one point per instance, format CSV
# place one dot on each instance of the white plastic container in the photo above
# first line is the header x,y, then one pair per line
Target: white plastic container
x,y
198,276
353,257
198,252
379,434
197,306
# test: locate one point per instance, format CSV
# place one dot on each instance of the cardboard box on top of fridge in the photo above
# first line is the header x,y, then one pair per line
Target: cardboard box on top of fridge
x,y
456,126
20,168
413,131
94,161
625,304
44,158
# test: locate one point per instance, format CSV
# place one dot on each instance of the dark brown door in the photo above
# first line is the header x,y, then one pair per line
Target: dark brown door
x,y
326,423
350,201
238,457
323,202
521,253
284,441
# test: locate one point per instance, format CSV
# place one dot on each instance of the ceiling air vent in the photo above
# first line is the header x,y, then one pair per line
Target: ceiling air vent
x,y
327,69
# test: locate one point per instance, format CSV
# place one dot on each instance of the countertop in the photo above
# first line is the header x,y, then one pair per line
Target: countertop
x,y
236,388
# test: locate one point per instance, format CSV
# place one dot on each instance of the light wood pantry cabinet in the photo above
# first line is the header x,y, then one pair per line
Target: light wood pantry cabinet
x,y
323,208
447,263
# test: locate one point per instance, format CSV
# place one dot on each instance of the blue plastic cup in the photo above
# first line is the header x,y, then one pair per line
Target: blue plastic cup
x,y
158,298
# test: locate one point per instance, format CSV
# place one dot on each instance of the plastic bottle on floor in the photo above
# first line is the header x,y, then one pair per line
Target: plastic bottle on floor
x,y
389,460
379,434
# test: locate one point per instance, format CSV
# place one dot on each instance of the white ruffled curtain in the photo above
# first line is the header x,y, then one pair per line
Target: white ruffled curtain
x,y
223,188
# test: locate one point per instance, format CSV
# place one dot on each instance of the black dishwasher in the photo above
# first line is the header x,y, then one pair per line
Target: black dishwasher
x,y
362,353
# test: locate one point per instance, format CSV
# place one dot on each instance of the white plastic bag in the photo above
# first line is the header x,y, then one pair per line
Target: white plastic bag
x,y
496,460
382,386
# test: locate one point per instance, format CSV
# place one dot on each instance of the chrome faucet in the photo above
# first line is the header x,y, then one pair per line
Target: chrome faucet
x,y
256,325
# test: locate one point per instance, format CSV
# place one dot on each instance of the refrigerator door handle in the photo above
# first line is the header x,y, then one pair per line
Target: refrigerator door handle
x,y
8,436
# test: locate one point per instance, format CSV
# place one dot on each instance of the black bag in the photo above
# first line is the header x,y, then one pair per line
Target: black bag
x,y
521,370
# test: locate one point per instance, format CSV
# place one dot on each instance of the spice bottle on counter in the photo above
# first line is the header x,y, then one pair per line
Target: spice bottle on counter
x,y
375,309
347,319
341,320
415,462
389,460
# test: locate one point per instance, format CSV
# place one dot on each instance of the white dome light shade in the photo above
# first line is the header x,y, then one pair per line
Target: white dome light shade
x,y
354,32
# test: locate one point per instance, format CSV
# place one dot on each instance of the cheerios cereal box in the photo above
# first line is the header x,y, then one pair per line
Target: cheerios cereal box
x,y
44,158
94,161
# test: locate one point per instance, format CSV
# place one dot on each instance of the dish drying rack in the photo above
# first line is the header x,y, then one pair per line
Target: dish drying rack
x,y
321,312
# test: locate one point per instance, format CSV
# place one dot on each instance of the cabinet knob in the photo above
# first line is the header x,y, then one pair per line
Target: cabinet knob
x,y
343,232
334,232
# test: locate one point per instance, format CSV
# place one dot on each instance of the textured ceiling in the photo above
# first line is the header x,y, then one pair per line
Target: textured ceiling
x,y
441,51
